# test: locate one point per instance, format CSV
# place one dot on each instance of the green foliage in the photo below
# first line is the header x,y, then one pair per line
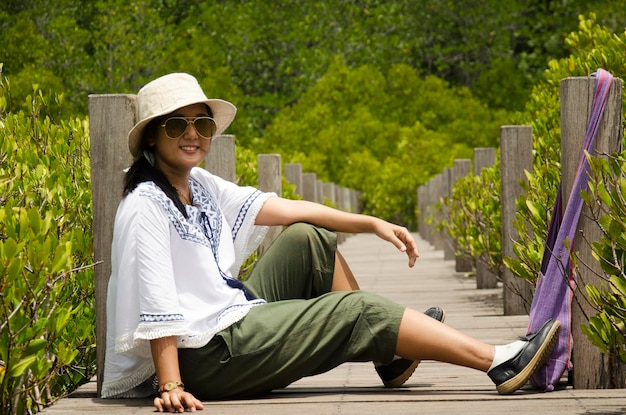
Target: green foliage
x,y
46,307
274,54
475,219
473,202
381,134
593,47
606,199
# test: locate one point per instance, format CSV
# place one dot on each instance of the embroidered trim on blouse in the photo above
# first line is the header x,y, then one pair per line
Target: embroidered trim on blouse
x,y
243,212
159,318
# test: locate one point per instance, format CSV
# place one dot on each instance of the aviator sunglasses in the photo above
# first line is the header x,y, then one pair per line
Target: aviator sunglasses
x,y
176,126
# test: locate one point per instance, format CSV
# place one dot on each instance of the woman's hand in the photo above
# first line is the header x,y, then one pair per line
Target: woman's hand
x,y
165,357
177,401
400,237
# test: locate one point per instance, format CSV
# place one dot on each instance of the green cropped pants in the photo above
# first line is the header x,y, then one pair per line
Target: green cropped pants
x,y
303,330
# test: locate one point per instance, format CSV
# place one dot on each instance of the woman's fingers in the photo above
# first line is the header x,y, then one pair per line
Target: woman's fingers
x,y
401,238
177,402
410,245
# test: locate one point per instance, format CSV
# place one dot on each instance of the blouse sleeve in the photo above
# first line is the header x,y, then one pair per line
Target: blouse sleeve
x,y
145,269
240,206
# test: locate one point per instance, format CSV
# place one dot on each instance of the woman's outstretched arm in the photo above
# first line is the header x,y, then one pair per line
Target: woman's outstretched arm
x,y
280,211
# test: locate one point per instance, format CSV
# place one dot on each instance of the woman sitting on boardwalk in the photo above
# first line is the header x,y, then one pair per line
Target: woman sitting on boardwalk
x,y
181,326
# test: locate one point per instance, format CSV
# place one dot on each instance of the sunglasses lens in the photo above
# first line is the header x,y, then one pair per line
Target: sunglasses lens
x,y
205,126
175,127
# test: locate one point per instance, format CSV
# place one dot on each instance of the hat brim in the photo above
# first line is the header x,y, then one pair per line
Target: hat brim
x,y
223,113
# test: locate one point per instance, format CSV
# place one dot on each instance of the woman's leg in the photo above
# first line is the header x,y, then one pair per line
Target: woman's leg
x,y
299,264
343,278
509,366
442,343
278,343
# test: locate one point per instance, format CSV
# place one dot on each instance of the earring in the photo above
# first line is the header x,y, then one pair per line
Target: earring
x,y
149,156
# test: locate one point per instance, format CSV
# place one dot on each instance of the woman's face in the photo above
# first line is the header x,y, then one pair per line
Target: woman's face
x,y
181,154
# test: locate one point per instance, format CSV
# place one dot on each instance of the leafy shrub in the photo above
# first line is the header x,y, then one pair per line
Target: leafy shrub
x,y
475,218
607,183
47,304
593,47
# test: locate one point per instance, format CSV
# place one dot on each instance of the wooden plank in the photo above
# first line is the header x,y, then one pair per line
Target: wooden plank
x,y
270,180
446,190
110,119
293,173
462,167
435,197
516,146
221,159
309,187
483,157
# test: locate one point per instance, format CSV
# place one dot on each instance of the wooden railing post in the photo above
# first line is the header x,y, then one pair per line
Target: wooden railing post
x,y
421,209
446,191
328,193
110,119
428,211
516,157
309,187
221,158
355,201
293,174
320,190
270,180
592,369
436,196
462,167
484,157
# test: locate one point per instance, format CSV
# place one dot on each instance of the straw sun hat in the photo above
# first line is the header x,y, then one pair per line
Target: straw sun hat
x,y
168,93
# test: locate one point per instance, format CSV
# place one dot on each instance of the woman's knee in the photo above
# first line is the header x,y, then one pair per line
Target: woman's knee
x,y
301,232
306,237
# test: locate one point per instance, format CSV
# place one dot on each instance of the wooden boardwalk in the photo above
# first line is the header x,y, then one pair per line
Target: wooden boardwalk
x,y
435,388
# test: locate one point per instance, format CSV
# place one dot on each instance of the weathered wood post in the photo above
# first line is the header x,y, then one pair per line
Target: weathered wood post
x,y
345,200
270,180
436,196
428,202
293,174
340,204
309,187
328,193
484,157
446,192
592,369
110,119
462,167
421,209
320,190
355,201
516,156
221,158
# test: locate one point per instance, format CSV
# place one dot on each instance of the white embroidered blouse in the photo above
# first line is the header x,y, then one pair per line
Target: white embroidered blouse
x,y
170,274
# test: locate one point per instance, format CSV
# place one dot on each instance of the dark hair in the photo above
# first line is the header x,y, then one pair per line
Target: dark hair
x,y
143,171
